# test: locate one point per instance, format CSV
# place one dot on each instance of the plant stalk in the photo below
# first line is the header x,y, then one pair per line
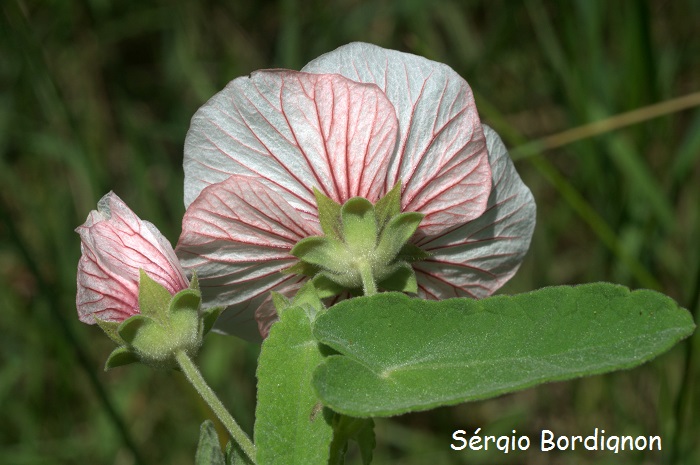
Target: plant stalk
x,y
195,378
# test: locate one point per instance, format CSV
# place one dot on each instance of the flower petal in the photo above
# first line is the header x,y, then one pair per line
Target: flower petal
x,y
237,236
294,131
115,245
479,257
441,156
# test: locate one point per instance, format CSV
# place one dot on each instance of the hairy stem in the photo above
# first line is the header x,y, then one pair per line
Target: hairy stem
x,y
195,378
368,285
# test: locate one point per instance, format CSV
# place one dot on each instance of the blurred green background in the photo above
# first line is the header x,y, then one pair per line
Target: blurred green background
x,y
97,96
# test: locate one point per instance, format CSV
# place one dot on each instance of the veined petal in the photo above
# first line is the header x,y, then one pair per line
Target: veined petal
x,y
441,156
237,236
479,257
294,131
115,245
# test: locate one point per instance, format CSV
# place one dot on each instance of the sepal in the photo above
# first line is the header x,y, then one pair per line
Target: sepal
x,y
329,215
324,252
359,225
119,357
326,287
166,325
129,329
388,206
403,279
111,329
398,230
209,316
153,297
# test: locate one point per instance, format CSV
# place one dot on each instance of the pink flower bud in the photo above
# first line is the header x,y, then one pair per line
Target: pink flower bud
x,y
116,244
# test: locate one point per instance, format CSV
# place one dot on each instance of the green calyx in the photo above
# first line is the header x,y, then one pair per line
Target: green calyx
x,y
365,246
165,325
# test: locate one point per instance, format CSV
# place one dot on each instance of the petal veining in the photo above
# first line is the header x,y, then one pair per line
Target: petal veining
x,y
477,258
293,131
441,156
237,236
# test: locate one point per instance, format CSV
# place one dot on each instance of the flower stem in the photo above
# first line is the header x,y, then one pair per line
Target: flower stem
x,y
195,378
368,284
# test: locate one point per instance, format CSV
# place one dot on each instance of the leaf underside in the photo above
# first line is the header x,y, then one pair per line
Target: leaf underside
x,y
399,354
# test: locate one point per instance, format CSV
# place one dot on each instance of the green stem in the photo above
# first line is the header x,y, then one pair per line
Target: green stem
x,y
195,378
368,284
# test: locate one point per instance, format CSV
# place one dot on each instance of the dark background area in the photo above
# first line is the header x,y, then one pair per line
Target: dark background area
x,y
97,96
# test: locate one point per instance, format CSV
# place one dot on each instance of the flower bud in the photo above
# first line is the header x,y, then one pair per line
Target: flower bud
x,y
132,285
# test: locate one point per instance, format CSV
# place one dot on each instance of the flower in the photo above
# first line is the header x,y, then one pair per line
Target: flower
x,y
115,246
353,122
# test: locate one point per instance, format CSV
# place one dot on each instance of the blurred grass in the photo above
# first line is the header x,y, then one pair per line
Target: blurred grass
x,y
97,96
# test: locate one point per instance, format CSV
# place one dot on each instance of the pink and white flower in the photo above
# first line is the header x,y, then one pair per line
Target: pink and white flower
x,y
115,246
353,122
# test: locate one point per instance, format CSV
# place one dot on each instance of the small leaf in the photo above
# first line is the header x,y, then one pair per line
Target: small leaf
x,y
154,299
291,426
401,354
366,440
308,299
119,357
280,301
361,430
209,450
130,327
329,215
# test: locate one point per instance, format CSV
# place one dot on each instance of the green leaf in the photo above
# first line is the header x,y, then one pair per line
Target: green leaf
x,y
154,299
208,450
119,357
308,299
328,215
401,354
291,426
281,302
366,440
